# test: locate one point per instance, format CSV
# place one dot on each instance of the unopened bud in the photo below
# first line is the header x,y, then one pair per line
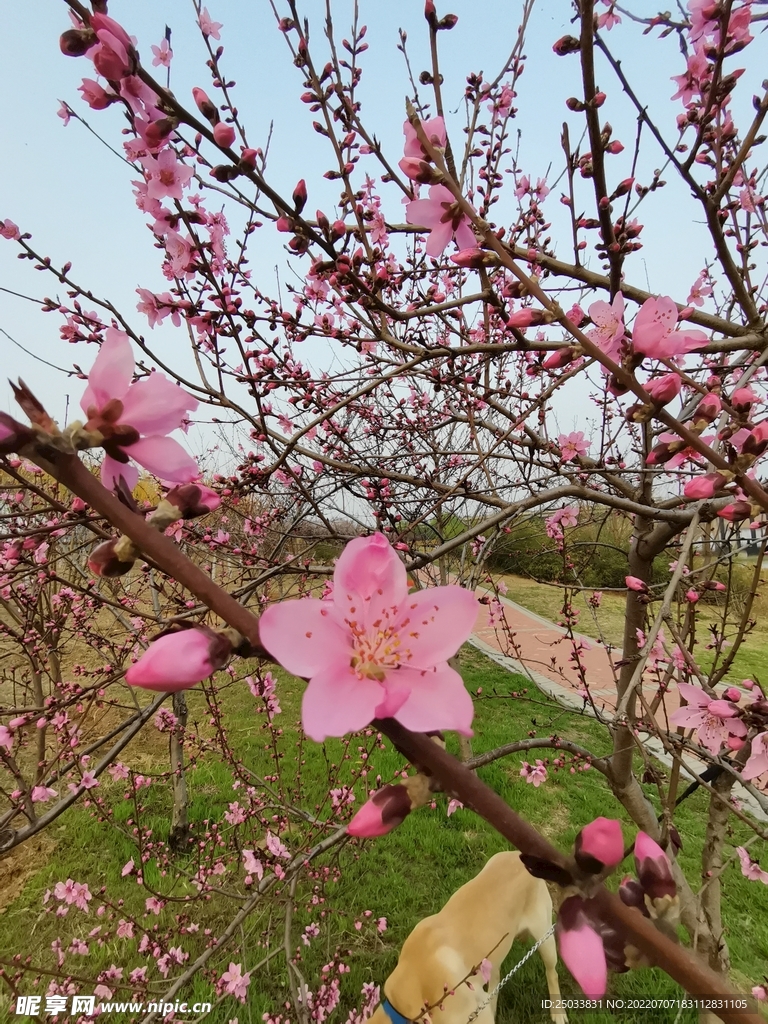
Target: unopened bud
x,y
114,557
224,134
653,868
76,41
566,45
206,107
300,196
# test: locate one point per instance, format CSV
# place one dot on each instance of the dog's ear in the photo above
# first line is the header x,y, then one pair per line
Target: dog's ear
x,y
541,868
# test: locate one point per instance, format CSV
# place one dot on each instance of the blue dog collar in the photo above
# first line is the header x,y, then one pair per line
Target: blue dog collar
x,y
391,1012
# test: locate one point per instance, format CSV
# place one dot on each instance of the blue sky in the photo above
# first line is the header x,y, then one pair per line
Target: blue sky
x,y
74,196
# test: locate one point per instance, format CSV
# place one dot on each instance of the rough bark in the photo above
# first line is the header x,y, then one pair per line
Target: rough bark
x,y
178,838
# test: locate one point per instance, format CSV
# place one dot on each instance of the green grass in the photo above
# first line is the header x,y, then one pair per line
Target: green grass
x,y
403,876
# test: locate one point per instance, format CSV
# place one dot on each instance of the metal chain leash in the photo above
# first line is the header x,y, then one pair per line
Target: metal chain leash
x,y
514,971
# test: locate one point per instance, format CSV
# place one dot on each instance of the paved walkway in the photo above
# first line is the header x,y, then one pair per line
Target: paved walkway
x,y
545,654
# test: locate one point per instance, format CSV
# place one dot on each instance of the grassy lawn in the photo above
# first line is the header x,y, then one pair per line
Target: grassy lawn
x,y
403,876
607,622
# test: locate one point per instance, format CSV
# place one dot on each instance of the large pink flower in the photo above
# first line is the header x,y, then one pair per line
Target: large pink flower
x,y
374,650
133,419
442,215
714,720
654,334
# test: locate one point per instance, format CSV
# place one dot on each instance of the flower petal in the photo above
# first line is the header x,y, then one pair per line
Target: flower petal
x,y
164,458
694,695
438,700
370,566
112,470
439,620
304,637
464,235
111,372
439,237
155,405
337,702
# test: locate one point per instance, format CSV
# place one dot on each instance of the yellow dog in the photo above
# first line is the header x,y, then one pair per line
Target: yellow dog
x,y
480,921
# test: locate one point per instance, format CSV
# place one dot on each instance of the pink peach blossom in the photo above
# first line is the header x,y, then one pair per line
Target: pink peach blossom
x,y
167,176
373,650
133,419
442,215
713,720
654,334
572,445
750,868
93,94
207,26
609,330
235,982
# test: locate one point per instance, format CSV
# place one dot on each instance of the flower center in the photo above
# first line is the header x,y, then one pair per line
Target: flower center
x,y
375,652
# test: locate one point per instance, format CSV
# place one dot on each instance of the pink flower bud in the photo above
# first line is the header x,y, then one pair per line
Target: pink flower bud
x,y
473,258
528,318
736,513
732,694
692,596
708,408
756,442
105,559
633,583
566,45
300,196
205,105
103,25
742,399
177,661
581,947
562,357
381,813
614,147
632,894
418,170
722,708
599,845
735,742
249,157
748,684
653,868
664,389
193,500
224,134
704,486
76,41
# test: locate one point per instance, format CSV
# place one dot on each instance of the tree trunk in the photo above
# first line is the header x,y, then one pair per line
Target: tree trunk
x,y
178,838
716,948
